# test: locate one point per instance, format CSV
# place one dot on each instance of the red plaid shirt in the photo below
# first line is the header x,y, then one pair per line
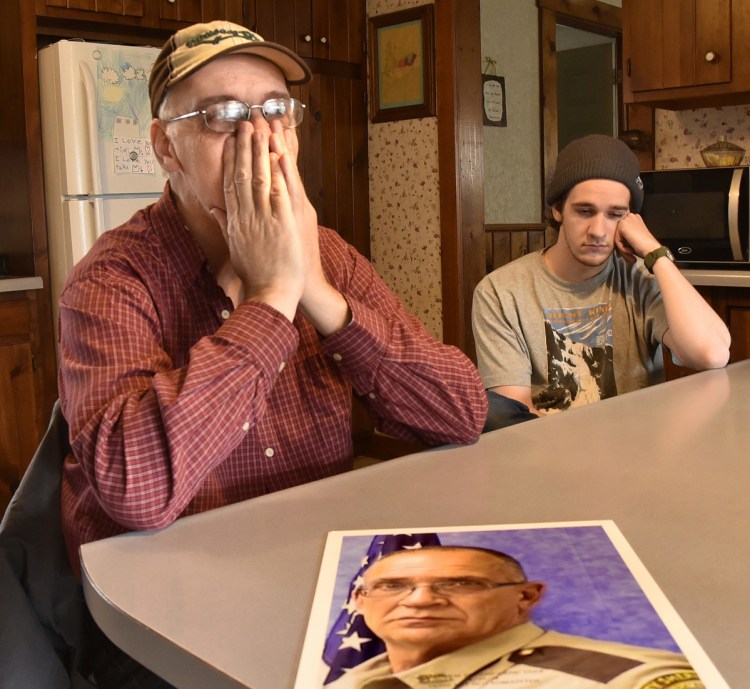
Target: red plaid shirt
x,y
178,403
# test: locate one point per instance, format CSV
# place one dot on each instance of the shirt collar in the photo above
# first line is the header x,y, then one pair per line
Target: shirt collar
x,y
181,249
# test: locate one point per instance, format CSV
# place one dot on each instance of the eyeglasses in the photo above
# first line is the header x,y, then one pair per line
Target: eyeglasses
x,y
223,117
441,587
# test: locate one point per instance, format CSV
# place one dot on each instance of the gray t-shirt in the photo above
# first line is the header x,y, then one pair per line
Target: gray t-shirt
x,y
572,343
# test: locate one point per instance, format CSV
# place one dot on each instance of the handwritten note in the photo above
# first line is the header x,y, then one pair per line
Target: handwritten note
x,y
133,156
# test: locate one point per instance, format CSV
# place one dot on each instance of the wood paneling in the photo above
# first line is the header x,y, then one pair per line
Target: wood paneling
x,y
600,14
333,153
459,111
505,243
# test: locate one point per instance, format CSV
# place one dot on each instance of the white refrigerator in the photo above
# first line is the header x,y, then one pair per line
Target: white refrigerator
x,y
99,167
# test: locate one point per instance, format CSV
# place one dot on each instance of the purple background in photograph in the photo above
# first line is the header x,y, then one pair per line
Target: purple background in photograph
x,y
590,590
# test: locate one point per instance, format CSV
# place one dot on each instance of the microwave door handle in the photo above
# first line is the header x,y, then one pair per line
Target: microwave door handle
x,y
733,210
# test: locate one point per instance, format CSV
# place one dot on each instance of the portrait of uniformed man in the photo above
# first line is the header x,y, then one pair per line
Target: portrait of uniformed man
x,y
460,616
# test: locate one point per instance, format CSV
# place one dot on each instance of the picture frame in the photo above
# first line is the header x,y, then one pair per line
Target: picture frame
x,y
595,587
402,66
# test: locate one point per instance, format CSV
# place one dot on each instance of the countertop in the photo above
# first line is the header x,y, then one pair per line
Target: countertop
x,y
222,599
711,277
19,284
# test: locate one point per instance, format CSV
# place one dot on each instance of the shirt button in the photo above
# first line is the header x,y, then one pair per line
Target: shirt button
x,y
372,395
269,452
281,366
337,357
246,426
225,314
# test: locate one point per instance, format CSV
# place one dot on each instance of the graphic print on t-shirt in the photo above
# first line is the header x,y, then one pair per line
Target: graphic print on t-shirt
x,y
580,367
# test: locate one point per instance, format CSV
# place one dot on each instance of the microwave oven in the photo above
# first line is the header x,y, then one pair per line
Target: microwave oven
x,y
701,214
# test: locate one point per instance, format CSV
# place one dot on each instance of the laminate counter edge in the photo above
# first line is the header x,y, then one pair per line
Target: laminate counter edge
x,y
13,284
717,278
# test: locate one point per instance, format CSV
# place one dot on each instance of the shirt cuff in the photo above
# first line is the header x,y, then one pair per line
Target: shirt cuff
x,y
264,333
359,347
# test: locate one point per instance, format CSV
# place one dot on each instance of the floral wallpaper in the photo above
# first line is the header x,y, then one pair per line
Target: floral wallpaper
x,y
405,204
679,135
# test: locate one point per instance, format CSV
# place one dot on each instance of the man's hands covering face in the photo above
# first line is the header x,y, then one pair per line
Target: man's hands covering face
x,y
271,229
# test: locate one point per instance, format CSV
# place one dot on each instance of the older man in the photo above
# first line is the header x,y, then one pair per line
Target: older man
x,y
460,617
209,346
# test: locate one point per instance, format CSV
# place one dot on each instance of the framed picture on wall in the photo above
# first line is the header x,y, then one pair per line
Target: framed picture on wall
x,y
402,73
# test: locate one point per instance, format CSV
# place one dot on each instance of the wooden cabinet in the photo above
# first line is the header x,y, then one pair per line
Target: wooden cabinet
x,y
156,14
329,34
21,427
733,306
683,53
127,8
333,152
187,11
320,29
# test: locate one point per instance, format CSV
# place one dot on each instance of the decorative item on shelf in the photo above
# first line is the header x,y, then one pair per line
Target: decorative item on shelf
x,y
722,153
636,139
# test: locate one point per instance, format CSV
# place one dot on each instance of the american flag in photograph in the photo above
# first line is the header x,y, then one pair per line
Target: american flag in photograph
x,y
350,641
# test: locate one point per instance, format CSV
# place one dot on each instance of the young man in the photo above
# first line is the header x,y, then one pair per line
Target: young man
x,y
210,346
453,616
583,320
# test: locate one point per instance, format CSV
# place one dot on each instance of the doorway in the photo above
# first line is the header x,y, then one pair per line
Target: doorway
x,y
587,93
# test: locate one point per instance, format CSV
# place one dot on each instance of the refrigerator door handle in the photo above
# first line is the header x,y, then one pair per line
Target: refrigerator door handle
x,y
99,225
89,90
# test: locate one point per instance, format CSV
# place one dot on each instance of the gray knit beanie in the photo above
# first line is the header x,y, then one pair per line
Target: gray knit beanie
x,y
596,157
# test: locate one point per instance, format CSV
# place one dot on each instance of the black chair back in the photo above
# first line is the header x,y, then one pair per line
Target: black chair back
x,y
43,616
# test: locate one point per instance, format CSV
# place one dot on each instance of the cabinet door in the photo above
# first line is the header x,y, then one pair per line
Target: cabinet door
x,y
676,43
333,154
189,11
641,39
738,322
165,14
713,42
126,8
320,29
334,28
193,11
19,435
333,135
733,306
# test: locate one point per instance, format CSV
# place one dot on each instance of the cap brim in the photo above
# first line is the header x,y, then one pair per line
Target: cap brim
x,y
294,69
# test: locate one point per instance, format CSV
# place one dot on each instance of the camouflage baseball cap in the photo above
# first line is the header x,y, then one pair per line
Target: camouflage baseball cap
x,y
195,46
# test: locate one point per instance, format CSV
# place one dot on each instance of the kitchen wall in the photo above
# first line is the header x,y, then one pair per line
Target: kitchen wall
x,y
404,178
680,135
512,154
405,204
